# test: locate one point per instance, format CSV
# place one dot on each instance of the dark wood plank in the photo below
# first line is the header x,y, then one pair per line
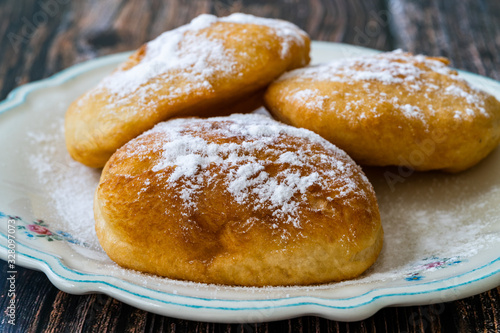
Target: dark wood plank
x,y
464,31
41,40
43,308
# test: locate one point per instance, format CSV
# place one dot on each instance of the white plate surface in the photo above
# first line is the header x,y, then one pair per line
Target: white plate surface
x,y
442,232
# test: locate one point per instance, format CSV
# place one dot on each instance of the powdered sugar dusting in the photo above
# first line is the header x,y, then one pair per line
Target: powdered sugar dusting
x,y
181,52
249,180
409,75
286,31
437,215
469,98
411,110
70,185
192,56
311,98
388,68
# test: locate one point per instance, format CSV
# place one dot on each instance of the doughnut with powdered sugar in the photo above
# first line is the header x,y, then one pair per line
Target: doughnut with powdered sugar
x,y
239,200
391,109
211,66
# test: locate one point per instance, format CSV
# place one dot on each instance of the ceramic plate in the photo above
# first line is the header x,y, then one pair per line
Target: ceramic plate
x,y
442,232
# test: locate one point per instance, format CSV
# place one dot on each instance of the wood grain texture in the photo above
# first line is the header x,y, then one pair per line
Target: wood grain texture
x,y
467,32
43,308
41,37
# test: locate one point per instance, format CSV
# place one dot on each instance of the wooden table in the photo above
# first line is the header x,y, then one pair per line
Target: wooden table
x,y
40,38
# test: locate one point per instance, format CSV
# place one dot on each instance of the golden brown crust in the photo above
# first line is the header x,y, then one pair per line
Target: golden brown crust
x,y
240,200
391,109
208,70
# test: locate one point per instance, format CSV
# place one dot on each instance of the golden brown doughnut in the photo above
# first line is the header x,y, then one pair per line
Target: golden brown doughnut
x,y
200,69
391,109
239,200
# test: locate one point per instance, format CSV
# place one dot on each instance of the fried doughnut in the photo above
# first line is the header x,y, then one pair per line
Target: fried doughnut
x,y
211,66
239,200
391,109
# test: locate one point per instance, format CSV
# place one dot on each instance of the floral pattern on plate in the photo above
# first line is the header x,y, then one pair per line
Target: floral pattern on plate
x,y
430,264
39,229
